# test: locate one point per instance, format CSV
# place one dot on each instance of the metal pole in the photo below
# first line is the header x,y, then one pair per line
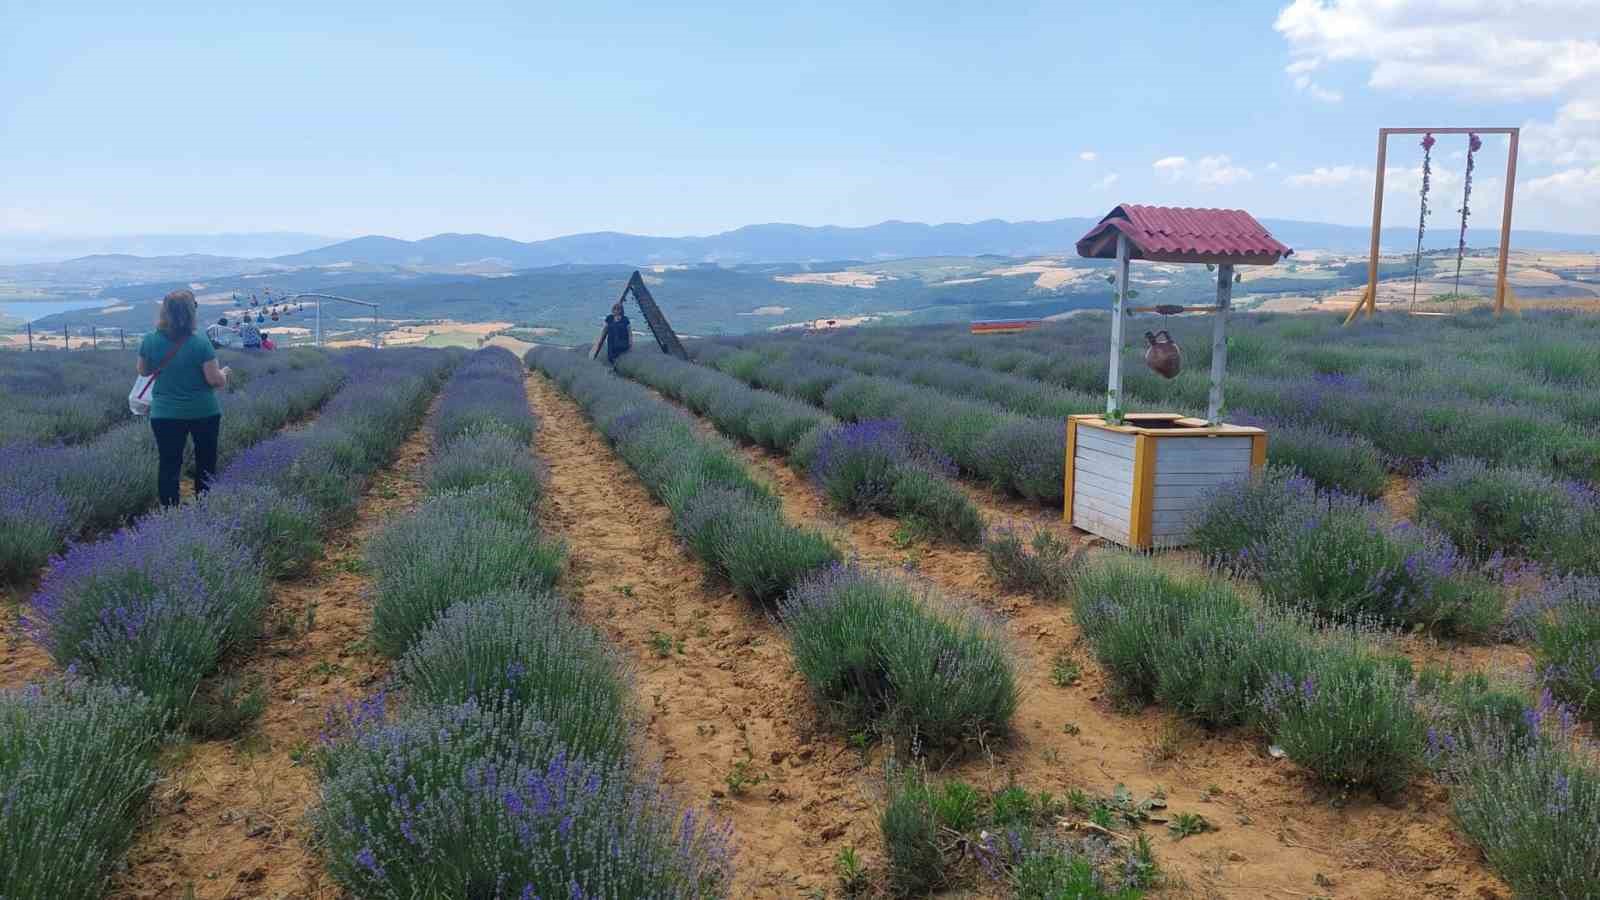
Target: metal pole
x,y
1114,379
30,337
122,339
318,341
1219,341
65,337
94,336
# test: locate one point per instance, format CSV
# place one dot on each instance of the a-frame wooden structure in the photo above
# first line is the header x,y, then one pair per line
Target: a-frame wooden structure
x,y
666,338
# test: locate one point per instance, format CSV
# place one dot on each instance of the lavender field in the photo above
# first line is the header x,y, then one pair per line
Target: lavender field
x,y
1401,613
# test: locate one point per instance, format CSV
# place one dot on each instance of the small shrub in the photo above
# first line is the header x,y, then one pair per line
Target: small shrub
x,y
1566,648
487,457
468,544
34,522
877,649
283,532
1513,512
463,802
226,708
910,837
1244,513
152,607
1533,813
956,805
1043,565
525,656
1352,719
750,544
76,762
1024,457
1332,459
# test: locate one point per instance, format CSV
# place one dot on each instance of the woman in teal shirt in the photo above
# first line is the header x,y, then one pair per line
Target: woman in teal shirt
x,y
183,399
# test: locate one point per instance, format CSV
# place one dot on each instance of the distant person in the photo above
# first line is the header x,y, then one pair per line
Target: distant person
x,y
266,342
619,334
249,334
220,334
183,398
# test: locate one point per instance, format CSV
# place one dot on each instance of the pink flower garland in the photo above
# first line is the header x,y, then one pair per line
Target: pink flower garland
x,y
1474,144
1422,215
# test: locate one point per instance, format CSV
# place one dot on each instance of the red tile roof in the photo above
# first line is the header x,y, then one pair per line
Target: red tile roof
x,y
1179,234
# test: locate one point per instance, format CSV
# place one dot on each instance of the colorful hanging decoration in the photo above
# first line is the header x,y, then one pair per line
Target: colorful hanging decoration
x,y
1422,214
1474,144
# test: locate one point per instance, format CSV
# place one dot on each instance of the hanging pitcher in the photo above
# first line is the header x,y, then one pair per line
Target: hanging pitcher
x,y
1163,355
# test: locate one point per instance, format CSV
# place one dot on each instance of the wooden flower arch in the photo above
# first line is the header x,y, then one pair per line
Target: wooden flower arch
x,y
1502,293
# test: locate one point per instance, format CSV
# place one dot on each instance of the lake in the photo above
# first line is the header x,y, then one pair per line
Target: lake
x,y
30,310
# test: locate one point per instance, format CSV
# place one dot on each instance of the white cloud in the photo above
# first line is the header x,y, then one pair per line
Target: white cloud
x,y
1088,156
1305,85
1573,137
1478,48
1207,170
1329,176
1105,182
1572,187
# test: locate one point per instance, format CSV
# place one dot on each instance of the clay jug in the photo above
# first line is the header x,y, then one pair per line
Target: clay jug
x,y
1163,356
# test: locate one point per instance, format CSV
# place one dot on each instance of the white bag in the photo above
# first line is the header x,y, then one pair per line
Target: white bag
x,y
139,396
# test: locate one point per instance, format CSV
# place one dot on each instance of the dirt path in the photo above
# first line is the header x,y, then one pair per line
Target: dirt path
x,y
721,697
227,819
1279,835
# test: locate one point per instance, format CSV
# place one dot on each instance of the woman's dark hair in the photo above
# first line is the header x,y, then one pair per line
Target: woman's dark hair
x,y
222,321
178,311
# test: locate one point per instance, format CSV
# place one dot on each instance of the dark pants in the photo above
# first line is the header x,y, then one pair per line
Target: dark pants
x,y
171,436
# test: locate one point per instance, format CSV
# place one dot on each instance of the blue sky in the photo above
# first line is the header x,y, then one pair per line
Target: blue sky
x,y
533,120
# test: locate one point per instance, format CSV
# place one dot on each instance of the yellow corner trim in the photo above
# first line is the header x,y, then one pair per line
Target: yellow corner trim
x,y
1072,455
1258,450
1144,491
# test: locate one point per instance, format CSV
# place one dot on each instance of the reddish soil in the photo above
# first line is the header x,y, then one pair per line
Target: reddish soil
x,y
227,818
21,660
721,697
1279,833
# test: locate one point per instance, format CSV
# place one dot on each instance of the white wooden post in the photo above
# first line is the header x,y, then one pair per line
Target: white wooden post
x,y
1219,341
1114,379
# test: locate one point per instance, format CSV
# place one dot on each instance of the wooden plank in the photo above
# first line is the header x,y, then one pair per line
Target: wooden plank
x,y
1113,499
1167,480
1144,488
1094,460
1105,483
1086,505
1117,445
1240,443
1107,529
1223,462
1217,470
1070,463
1258,451
1505,225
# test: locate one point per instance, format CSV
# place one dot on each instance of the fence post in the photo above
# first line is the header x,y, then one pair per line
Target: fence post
x,y
94,335
122,339
66,337
30,337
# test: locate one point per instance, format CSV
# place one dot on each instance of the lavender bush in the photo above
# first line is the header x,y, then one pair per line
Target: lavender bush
x,y
525,655
1566,642
881,651
34,522
485,392
1491,511
152,607
283,532
1035,561
487,457
1532,810
459,544
462,801
76,762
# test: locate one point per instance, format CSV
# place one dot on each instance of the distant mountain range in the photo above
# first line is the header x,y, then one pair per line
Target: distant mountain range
x,y
799,243
16,249
771,243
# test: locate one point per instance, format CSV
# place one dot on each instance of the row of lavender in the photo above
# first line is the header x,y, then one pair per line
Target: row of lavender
x,y
68,398
1526,787
141,618
501,762
882,653
867,466
1329,457
51,493
1339,558
1342,405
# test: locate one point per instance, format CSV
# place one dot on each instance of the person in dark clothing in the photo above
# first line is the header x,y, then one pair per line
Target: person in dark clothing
x,y
183,399
619,334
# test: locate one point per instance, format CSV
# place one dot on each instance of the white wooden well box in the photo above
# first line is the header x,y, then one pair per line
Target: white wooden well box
x,y
1141,483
